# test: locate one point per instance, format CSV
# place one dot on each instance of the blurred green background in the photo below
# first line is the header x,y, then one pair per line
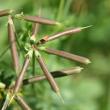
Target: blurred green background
x,y
89,90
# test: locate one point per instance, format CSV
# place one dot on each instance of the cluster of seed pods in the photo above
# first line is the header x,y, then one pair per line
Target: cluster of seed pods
x,y
35,49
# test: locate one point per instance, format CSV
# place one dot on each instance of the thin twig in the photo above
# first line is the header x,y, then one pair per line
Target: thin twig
x,y
55,74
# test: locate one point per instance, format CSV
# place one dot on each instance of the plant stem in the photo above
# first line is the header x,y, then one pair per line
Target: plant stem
x,y
60,10
4,51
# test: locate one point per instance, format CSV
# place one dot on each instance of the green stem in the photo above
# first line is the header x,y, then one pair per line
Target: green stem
x,y
33,63
60,10
4,51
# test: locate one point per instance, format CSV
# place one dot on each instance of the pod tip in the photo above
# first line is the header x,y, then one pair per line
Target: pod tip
x,y
87,61
86,27
58,24
59,95
79,69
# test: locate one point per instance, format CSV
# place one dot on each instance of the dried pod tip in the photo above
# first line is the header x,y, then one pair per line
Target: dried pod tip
x,y
79,69
59,24
86,27
87,61
33,38
11,11
60,96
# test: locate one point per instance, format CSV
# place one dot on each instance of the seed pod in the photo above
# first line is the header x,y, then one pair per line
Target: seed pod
x,y
47,74
20,77
61,34
11,36
67,55
55,74
22,103
5,12
37,19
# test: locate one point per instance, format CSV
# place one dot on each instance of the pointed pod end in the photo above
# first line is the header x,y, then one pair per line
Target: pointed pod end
x,y
79,69
87,61
86,27
61,98
58,24
11,11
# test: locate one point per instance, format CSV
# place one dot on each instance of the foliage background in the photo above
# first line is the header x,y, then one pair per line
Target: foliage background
x,y
89,90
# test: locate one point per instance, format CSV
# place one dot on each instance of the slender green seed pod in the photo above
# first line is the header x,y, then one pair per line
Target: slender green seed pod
x,y
47,74
20,77
67,55
62,34
12,41
37,19
55,74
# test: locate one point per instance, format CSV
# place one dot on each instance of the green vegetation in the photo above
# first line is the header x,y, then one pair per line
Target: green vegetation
x,y
88,90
